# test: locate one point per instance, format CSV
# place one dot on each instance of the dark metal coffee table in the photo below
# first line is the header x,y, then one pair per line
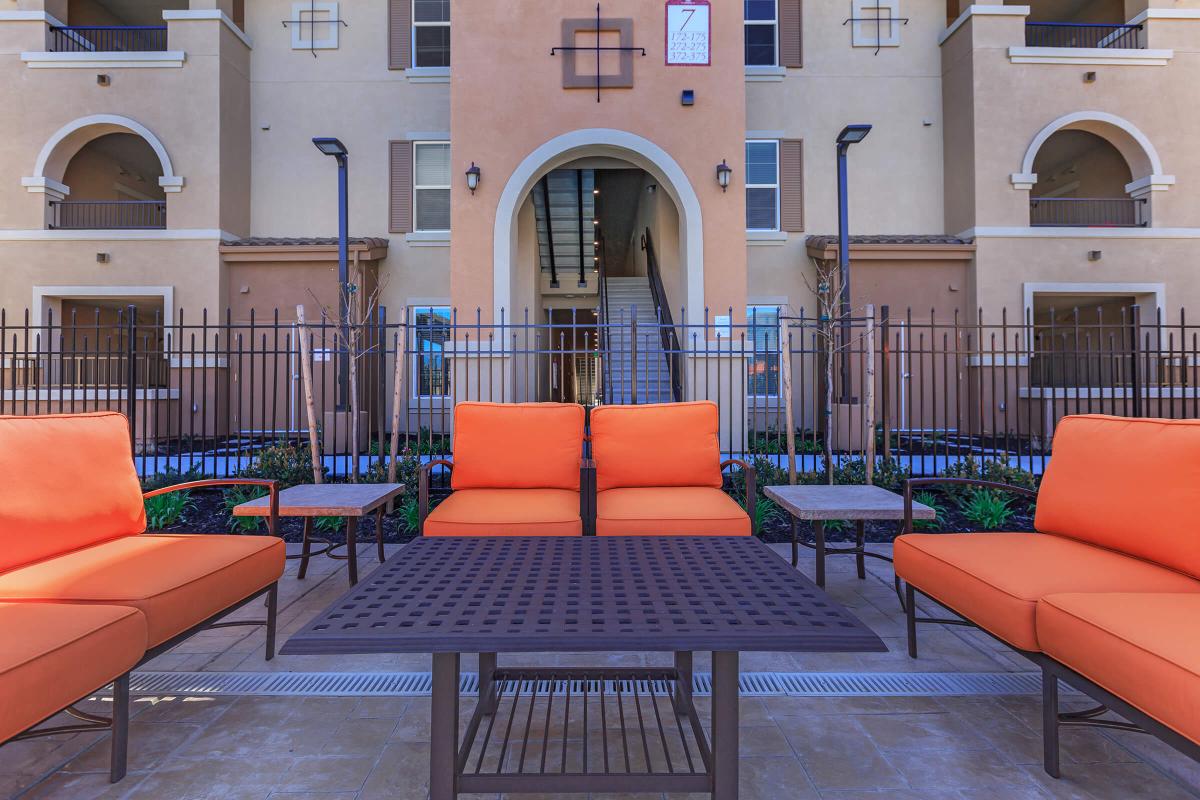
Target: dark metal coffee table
x,y
605,729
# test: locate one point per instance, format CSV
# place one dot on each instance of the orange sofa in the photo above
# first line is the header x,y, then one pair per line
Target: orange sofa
x,y
1104,595
658,472
516,472
73,531
53,655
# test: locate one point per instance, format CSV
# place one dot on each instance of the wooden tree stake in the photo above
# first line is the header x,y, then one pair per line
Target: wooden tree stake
x,y
307,380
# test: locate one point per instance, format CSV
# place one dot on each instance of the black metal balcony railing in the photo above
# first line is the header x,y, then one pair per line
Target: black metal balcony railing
x,y
1071,34
1088,212
107,39
107,214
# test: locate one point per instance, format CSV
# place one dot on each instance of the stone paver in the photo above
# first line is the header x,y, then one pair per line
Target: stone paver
x,y
800,748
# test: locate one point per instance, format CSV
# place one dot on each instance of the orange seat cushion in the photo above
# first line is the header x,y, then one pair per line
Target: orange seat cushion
x,y
1126,484
1141,647
66,481
51,656
517,446
996,579
507,512
177,581
669,511
662,444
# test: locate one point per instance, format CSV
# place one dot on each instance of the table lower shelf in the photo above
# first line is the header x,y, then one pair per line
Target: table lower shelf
x,y
585,730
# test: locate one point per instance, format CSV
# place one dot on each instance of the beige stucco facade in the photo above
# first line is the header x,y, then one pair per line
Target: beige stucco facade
x,y
959,104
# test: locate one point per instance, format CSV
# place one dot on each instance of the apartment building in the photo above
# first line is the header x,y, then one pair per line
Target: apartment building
x,y
507,159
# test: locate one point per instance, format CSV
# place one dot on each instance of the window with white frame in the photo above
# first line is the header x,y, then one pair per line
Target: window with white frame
x,y
431,33
762,25
762,324
431,327
762,185
431,186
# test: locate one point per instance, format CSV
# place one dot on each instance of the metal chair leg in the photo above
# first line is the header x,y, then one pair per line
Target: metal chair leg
x,y
272,613
119,756
910,618
1050,751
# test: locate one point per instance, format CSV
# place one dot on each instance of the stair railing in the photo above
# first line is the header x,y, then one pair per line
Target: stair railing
x,y
666,325
603,325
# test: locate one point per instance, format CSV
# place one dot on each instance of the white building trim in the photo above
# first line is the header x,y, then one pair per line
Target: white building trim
x,y
105,60
1166,13
43,294
1029,232
1090,55
1157,290
209,13
982,10
105,123
615,144
169,235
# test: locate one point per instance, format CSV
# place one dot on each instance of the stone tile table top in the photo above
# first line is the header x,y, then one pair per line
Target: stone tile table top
x,y
844,502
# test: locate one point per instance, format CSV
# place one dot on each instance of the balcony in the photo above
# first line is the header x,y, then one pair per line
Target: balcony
x,y
107,39
115,215
1088,212
1090,35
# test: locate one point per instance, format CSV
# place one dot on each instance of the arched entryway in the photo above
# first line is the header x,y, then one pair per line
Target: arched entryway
x,y
1091,169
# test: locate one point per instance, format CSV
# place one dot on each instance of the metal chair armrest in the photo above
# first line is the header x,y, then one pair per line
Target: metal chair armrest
x,y
1030,494
272,487
423,489
751,487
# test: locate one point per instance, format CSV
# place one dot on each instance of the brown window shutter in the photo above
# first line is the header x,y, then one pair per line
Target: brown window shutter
x,y
399,34
791,47
791,185
400,187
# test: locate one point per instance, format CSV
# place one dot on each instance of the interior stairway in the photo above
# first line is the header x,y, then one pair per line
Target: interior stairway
x,y
629,299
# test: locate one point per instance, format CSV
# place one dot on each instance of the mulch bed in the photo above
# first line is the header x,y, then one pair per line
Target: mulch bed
x,y
208,514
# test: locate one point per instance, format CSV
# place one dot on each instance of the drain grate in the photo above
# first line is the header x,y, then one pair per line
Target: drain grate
x,y
751,684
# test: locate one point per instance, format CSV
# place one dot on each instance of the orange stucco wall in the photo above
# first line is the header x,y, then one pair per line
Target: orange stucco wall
x,y
504,75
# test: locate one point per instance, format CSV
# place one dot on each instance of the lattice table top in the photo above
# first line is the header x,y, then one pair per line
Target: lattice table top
x,y
579,594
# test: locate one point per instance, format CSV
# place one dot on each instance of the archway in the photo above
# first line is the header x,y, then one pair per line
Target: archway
x,y
601,143
50,168
1138,152
1081,180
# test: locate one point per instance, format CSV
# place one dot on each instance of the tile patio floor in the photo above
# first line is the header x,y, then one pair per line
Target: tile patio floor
x,y
823,748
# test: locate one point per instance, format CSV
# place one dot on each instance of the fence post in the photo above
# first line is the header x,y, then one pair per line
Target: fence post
x,y
131,373
785,381
633,331
1135,377
885,380
869,393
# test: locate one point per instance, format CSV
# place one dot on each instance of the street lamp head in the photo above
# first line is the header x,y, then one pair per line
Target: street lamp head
x,y
330,146
853,134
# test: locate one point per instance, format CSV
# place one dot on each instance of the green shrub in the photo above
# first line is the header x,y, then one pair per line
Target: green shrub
x,y
410,515
996,471
285,462
765,512
987,510
889,473
237,496
408,468
171,477
328,524
165,510
933,501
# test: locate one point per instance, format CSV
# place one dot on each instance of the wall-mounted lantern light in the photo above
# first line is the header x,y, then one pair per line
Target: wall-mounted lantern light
x,y
473,177
723,173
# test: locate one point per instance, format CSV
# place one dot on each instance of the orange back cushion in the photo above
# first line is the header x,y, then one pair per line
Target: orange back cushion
x,y
664,444
1131,485
66,481
517,446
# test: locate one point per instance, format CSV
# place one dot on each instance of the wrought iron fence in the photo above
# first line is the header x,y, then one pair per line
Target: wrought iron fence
x,y
1075,34
108,214
1088,212
106,38
921,390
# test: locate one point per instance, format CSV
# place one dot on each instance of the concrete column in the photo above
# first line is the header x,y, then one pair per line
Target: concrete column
x,y
717,371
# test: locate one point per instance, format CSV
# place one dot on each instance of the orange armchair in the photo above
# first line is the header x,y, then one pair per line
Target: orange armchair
x,y
516,472
658,472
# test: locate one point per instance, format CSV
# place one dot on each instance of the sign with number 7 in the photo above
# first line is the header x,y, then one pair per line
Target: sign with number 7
x,y
689,33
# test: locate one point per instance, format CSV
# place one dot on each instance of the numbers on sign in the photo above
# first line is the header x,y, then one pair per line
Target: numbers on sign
x,y
688,13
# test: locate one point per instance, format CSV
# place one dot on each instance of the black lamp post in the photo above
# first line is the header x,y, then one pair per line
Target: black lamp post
x,y
332,147
851,134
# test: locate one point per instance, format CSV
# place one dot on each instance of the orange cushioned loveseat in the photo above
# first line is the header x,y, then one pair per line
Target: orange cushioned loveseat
x,y
516,472
1105,594
658,472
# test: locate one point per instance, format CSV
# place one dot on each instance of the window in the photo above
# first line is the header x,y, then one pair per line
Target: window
x,y
761,24
762,324
431,331
762,185
431,33
431,186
